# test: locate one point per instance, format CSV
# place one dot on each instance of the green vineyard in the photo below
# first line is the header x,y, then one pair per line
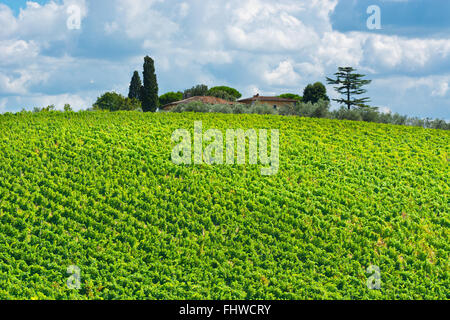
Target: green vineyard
x,y
99,191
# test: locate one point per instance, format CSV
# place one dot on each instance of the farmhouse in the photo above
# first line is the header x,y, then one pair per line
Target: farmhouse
x,y
275,102
204,99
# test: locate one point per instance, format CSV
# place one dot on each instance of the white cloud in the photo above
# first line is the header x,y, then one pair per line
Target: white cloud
x,y
16,51
141,21
7,21
184,9
77,102
408,54
47,22
258,46
441,89
284,74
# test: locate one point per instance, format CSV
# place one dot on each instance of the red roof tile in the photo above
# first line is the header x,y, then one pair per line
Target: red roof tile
x,y
271,99
204,99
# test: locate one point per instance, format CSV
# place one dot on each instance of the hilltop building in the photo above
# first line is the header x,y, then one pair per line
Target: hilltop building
x,y
274,102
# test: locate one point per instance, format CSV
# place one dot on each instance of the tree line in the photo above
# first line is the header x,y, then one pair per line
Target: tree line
x,y
143,96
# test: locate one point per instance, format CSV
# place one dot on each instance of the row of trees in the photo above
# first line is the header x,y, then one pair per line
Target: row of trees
x,y
223,92
146,92
348,83
321,109
143,95
312,93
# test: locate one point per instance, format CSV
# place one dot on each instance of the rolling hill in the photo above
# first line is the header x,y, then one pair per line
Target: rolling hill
x,y
99,191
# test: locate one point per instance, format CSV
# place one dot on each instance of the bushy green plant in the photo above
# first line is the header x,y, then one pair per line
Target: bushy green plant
x,y
113,101
230,91
194,106
198,90
239,108
291,96
46,109
321,109
262,108
221,108
170,97
346,114
368,114
221,94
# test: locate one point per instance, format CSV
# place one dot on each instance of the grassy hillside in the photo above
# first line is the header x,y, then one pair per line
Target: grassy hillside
x,y
99,191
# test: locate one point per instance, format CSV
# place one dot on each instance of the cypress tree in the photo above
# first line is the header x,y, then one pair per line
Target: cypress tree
x,y
149,91
135,87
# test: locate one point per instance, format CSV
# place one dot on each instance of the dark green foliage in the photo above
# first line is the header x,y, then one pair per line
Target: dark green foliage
x,y
320,109
315,92
291,96
135,87
46,109
113,101
314,110
170,97
197,91
67,107
149,91
350,84
369,114
220,94
346,114
231,91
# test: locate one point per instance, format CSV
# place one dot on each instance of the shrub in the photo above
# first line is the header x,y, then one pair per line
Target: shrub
x,y
230,91
321,109
399,119
239,108
170,97
261,108
221,108
194,106
369,114
113,101
291,96
198,90
221,94
345,114
46,109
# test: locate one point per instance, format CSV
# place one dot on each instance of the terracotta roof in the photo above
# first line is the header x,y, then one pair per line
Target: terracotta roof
x,y
204,99
271,99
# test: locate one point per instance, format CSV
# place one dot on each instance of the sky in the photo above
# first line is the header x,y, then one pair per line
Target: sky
x,y
72,51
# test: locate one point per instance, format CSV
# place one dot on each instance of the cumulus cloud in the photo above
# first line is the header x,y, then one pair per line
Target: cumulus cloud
x,y
258,46
284,74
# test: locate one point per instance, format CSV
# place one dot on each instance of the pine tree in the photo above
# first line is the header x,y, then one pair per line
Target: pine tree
x,y
149,91
350,84
135,87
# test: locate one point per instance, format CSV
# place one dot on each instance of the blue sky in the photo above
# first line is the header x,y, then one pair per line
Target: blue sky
x,y
256,46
